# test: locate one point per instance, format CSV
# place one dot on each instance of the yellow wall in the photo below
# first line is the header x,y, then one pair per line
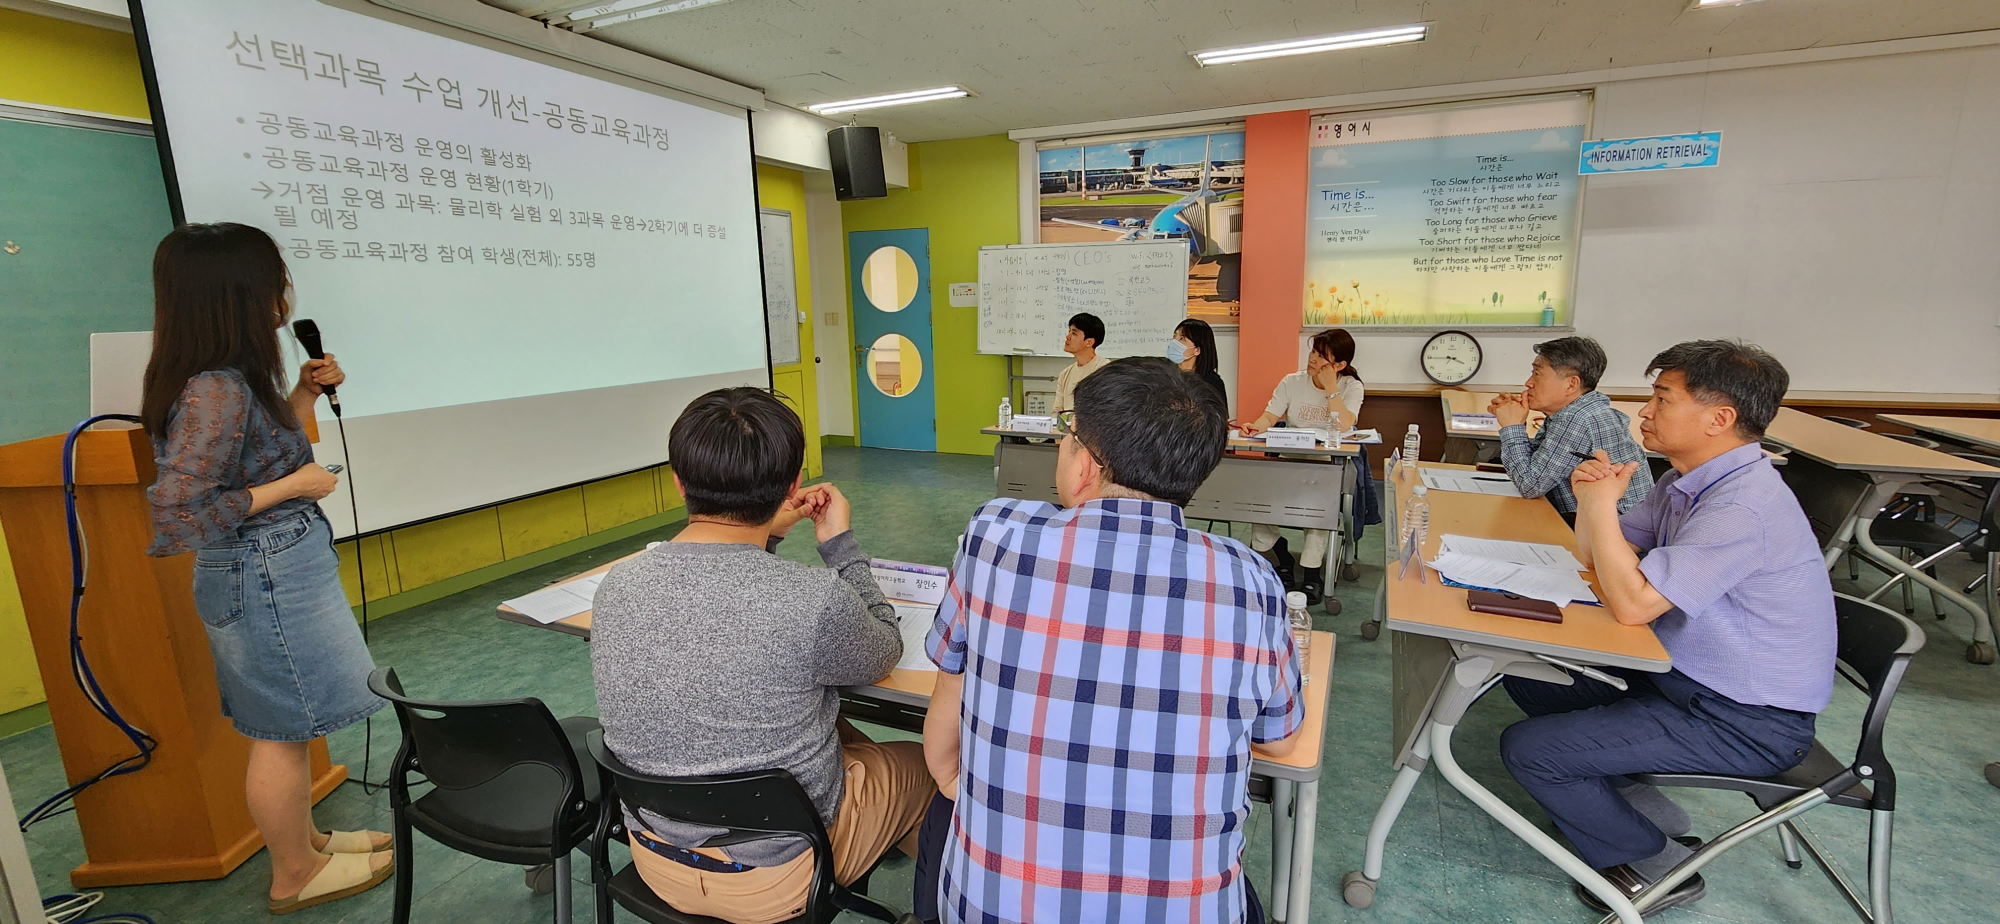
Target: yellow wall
x,y
60,64
780,188
964,192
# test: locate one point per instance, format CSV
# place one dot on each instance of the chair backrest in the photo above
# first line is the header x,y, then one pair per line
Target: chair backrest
x,y
460,745
748,806
1875,647
1989,513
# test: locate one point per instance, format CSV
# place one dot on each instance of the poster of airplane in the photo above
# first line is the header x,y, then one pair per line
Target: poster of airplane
x,y
1183,187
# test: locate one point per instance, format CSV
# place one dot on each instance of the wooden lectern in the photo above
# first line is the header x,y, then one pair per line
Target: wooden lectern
x,y
182,817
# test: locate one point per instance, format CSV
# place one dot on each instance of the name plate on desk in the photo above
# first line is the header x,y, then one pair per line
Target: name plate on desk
x,y
1029,423
902,580
1290,438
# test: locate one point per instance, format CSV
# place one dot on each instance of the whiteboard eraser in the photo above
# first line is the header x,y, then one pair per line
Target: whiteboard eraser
x,y
1024,349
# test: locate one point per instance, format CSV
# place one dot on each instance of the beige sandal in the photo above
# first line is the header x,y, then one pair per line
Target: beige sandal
x,y
343,875
356,842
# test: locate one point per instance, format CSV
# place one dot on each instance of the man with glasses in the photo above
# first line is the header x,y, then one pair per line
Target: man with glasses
x,y
1104,671
1581,421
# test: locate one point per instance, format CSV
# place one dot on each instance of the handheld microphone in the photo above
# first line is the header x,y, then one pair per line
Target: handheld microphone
x,y
308,334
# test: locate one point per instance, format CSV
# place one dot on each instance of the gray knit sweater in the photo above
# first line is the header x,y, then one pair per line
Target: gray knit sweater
x,y
712,658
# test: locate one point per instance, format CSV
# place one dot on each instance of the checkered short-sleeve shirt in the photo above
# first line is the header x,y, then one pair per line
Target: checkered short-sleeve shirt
x,y
1117,667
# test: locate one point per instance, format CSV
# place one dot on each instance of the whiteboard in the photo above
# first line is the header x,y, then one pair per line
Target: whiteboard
x,y
781,293
1027,294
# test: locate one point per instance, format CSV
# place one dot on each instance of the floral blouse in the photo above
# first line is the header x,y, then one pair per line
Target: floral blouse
x,y
219,442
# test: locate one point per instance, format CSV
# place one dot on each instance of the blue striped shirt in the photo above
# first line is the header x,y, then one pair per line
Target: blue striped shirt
x,y
1729,547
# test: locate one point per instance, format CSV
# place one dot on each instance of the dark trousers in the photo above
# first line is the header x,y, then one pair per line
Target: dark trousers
x,y
930,856
1580,741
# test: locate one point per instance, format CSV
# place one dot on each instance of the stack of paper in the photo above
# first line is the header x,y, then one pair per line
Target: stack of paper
x,y
553,604
1448,479
916,621
1529,569
915,591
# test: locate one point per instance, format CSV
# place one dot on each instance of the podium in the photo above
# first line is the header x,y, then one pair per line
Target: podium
x,y
183,817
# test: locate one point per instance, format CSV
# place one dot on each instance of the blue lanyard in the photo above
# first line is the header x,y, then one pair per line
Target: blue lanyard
x,y
1704,493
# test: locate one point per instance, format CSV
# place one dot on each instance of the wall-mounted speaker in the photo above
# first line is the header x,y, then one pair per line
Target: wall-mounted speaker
x,y
856,152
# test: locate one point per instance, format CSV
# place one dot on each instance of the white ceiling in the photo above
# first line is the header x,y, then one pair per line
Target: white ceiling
x,y
1045,62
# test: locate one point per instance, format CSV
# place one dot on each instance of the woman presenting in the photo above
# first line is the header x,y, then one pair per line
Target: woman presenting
x,y
1326,396
238,487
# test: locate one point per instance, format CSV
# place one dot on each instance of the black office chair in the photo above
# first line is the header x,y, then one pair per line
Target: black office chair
x,y
1931,541
1847,421
746,806
509,784
1875,648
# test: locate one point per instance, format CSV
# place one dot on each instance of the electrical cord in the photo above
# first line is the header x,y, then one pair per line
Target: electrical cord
x,y
86,681
70,908
361,577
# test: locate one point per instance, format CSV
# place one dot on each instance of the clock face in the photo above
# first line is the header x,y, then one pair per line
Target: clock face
x,y
1451,358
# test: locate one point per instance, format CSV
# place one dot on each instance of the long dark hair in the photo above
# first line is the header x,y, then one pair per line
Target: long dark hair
x,y
1337,345
1202,336
218,300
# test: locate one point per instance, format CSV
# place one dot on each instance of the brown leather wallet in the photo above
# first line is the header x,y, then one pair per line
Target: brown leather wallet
x,y
1503,604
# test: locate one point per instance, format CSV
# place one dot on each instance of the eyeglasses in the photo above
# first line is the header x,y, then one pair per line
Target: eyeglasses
x,y
1066,422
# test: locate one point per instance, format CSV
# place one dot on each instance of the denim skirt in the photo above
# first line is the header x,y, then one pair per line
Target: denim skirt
x,y
289,659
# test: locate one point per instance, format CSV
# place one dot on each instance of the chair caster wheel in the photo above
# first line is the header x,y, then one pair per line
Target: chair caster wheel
x,y
1795,864
1332,606
1350,572
1370,630
540,879
1357,889
1979,652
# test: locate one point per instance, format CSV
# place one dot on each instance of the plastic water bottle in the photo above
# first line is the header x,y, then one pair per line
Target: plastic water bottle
x,y
1007,413
1416,522
1412,442
1302,627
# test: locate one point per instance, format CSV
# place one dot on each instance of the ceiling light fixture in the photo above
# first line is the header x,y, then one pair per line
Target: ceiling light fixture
x,y
890,99
596,14
1712,4
1396,35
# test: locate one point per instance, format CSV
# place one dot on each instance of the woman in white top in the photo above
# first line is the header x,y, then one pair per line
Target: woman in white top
x,y
1326,396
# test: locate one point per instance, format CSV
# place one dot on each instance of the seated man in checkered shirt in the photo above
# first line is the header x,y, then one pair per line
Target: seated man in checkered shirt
x,y
1104,672
1580,422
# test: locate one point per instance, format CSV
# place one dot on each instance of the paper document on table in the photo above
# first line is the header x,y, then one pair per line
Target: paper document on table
x,y
1444,479
1555,585
1365,437
916,619
552,604
1475,422
1538,554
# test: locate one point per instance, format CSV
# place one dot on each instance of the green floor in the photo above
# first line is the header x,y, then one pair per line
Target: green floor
x,y
1447,860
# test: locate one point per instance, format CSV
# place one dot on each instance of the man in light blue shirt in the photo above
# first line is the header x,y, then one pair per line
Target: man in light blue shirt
x,y
1720,560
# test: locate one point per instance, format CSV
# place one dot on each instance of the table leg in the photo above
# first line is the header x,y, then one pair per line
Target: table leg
x,y
1524,829
1870,501
1284,818
1305,809
1981,649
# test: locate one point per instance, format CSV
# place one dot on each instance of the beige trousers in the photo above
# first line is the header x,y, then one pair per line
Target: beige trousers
x,y
887,790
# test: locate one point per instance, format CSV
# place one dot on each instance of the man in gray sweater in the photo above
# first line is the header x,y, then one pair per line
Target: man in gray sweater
x,y
713,655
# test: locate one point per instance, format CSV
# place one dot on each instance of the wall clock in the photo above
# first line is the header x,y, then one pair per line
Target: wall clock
x,y
1451,357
